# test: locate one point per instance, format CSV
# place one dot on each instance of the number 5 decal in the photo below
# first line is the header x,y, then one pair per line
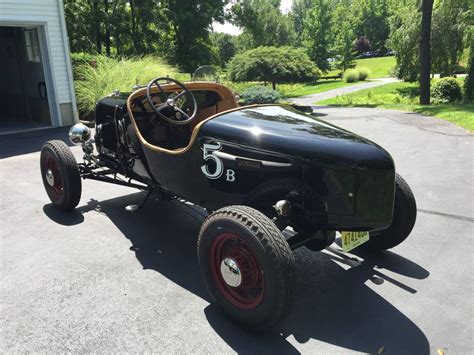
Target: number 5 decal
x,y
207,151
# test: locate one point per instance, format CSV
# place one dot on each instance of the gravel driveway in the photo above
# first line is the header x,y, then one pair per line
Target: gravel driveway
x,y
104,280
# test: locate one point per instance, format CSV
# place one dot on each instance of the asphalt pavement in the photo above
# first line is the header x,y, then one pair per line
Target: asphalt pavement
x,y
101,279
311,99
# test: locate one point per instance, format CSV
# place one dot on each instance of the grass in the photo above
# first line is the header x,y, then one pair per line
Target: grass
x,y
293,90
379,67
404,96
92,84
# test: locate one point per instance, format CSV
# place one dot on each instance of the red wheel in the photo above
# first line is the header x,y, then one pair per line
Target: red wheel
x,y
60,174
236,271
54,185
247,265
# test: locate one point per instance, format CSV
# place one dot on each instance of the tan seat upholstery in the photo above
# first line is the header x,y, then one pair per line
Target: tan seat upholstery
x,y
226,102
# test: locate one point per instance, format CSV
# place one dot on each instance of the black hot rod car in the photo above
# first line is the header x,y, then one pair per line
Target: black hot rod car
x,y
272,177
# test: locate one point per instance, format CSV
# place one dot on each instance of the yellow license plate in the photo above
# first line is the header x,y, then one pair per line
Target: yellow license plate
x,y
351,240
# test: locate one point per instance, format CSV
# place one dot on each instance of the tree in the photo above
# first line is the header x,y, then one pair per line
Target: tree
x,y
449,24
317,34
274,65
469,80
190,22
83,19
299,9
404,40
116,26
177,30
371,21
226,47
425,51
263,23
343,34
344,46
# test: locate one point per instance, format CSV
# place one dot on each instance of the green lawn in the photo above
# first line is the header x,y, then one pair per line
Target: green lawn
x,y
379,67
294,90
404,96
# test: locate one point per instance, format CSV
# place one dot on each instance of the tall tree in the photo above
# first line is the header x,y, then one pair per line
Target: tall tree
x,y
226,46
299,9
449,24
425,51
263,23
317,33
469,80
343,35
191,22
344,46
371,20
404,40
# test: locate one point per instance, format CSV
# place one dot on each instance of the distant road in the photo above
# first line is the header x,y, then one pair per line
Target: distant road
x,y
309,100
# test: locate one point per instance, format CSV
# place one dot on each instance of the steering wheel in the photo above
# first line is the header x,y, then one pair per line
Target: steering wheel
x,y
172,101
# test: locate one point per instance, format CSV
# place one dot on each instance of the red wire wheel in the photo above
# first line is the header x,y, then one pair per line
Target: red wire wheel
x,y
236,271
247,266
54,184
60,174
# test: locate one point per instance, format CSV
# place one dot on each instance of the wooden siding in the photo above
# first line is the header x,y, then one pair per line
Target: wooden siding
x,y
46,12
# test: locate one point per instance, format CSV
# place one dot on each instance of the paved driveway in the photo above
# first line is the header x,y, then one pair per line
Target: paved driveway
x,y
309,100
100,279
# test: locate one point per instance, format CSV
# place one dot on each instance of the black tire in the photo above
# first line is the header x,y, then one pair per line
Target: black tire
x,y
404,217
64,188
268,261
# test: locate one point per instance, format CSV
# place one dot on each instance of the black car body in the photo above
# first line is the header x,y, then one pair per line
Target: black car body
x,y
352,176
272,177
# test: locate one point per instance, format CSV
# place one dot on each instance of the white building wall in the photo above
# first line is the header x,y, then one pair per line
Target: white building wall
x,y
50,15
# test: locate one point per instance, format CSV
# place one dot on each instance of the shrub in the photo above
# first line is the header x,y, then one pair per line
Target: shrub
x,y
362,44
446,90
259,95
351,76
274,65
93,83
364,73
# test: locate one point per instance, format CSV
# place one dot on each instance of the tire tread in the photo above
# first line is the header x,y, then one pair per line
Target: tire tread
x,y
274,243
68,166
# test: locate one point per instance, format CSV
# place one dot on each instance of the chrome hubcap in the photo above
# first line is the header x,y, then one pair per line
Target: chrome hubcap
x,y
230,272
50,177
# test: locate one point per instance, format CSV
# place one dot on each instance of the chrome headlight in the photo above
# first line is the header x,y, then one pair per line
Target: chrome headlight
x,y
79,133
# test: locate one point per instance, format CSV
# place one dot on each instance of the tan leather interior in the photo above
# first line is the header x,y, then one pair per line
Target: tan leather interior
x,y
226,103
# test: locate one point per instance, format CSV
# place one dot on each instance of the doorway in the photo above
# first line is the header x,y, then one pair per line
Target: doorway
x,y
22,81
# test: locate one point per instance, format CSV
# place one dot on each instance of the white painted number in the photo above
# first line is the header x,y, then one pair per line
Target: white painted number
x,y
230,175
207,151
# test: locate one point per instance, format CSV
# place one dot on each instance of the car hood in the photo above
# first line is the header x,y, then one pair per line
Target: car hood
x,y
285,130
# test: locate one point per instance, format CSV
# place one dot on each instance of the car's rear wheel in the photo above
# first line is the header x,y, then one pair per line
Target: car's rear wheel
x,y
404,217
247,266
60,174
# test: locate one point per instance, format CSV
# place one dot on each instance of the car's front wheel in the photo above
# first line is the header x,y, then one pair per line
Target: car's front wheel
x,y
61,178
404,217
247,266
